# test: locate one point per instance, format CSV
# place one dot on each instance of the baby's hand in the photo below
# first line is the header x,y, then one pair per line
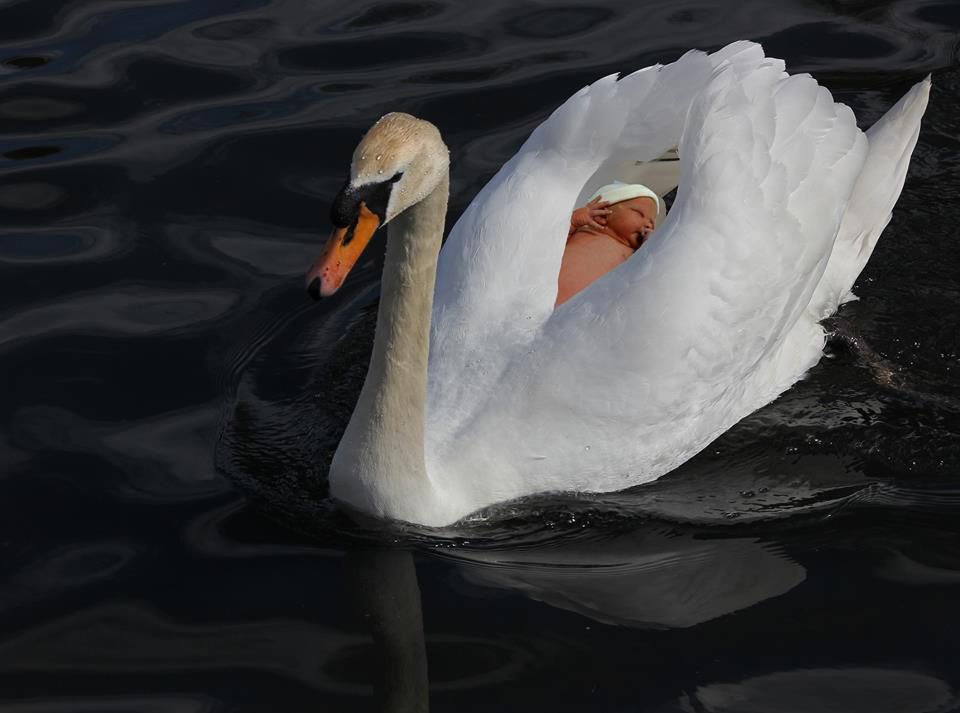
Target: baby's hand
x,y
593,214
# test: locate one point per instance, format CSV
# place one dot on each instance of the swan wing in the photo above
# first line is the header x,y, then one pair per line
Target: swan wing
x,y
891,140
647,365
497,272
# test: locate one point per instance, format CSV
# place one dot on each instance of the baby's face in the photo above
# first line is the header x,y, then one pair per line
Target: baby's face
x,y
633,220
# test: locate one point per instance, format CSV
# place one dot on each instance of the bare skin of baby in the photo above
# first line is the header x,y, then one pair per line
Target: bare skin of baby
x,y
601,237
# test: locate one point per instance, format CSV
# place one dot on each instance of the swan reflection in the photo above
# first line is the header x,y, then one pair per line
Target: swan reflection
x,y
384,584
642,578
639,578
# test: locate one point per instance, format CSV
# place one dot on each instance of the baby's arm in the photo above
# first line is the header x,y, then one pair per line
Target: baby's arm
x,y
593,214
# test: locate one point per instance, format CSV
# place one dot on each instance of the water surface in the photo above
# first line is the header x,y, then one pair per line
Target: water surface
x,y
170,397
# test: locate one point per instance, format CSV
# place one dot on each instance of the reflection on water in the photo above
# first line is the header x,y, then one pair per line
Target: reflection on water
x,y
165,168
643,578
688,581
359,627
830,691
384,583
120,311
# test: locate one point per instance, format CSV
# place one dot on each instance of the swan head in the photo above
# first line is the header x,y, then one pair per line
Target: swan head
x,y
397,164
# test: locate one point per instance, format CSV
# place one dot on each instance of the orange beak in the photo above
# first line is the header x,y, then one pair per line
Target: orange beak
x,y
341,253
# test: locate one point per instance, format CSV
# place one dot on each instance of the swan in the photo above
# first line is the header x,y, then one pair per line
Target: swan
x,y
479,391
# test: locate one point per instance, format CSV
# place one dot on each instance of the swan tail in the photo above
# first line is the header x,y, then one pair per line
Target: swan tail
x,y
891,143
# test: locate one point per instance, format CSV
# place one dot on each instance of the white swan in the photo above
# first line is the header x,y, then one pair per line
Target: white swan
x,y
780,203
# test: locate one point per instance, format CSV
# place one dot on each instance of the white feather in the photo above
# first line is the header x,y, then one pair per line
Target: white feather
x,y
780,203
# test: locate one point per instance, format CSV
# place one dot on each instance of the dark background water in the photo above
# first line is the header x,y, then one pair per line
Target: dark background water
x,y
165,172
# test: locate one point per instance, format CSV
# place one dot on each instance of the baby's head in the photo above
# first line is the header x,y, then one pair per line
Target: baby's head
x,y
634,210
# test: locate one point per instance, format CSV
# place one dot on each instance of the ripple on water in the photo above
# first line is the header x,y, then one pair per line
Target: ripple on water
x,y
166,455
841,690
124,310
146,640
76,566
61,244
241,28
123,703
31,196
558,22
944,14
38,108
28,20
59,149
43,247
457,663
27,62
392,13
843,42
363,55
28,153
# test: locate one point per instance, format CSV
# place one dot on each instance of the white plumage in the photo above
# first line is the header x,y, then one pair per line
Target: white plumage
x,y
780,203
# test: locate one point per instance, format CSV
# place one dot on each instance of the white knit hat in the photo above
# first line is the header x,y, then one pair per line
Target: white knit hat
x,y
618,191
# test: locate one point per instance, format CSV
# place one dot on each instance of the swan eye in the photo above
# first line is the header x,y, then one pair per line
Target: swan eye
x,y
376,196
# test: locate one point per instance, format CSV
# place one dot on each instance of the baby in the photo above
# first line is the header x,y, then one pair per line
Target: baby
x,y
615,222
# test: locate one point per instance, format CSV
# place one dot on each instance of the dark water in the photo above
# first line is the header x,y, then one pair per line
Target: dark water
x,y
169,396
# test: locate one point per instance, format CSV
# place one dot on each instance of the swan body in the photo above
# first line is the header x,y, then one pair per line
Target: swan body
x,y
478,391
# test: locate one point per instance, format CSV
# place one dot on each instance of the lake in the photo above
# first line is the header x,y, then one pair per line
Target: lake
x,y
171,396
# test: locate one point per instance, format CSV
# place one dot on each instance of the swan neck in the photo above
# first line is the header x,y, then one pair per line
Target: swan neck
x,y
385,437
402,343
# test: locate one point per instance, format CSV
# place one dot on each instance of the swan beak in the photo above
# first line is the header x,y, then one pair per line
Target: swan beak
x,y
341,253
